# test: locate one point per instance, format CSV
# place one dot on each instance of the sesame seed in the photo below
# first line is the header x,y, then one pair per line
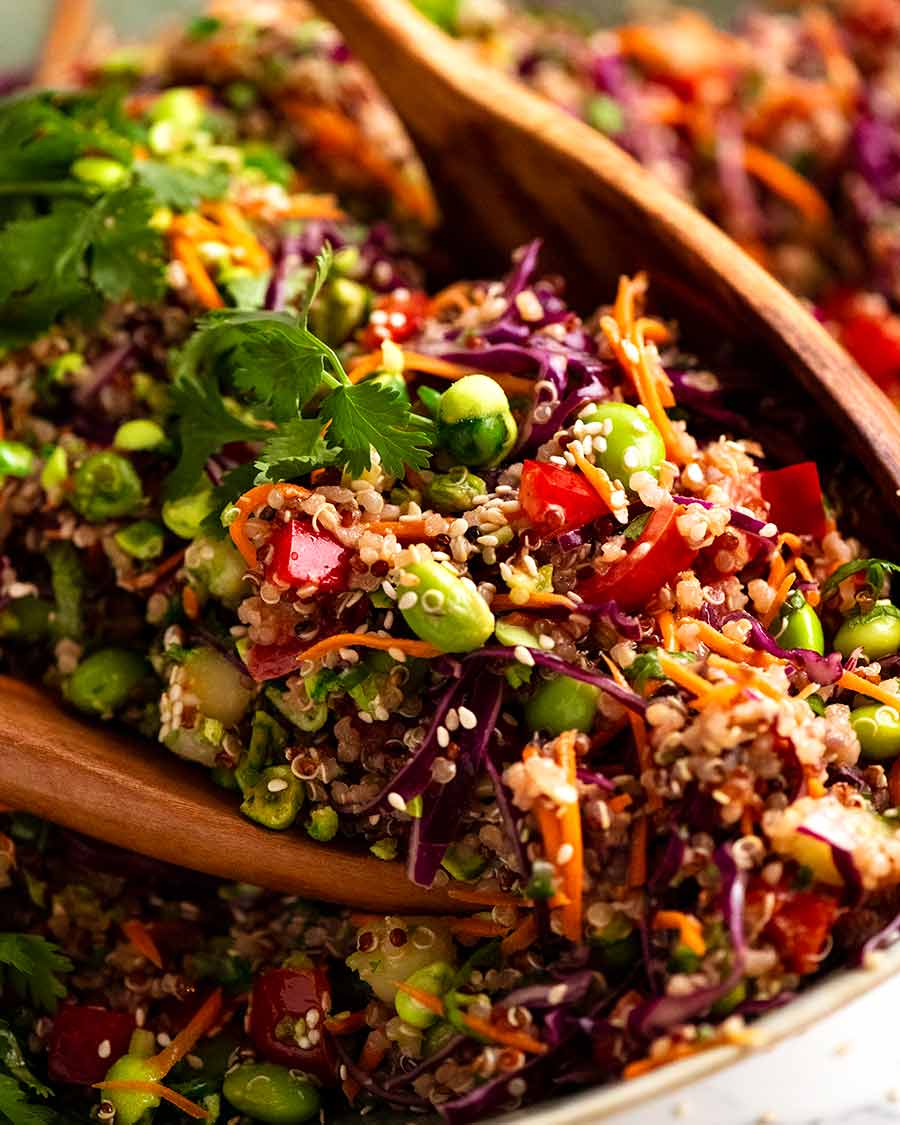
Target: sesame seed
x,y
396,801
557,994
443,737
451,720
104,1049
517,1087
564,855
546,643
468,719
397,654
277,785
407,600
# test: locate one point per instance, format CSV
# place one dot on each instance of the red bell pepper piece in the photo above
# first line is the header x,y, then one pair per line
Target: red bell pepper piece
x,y
557,499
286,1021
78,1051
799,927
659,555
396,316
871,334
304,556
794,496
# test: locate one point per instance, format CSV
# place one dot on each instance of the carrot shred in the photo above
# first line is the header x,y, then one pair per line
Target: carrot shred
x,y
202,284
477,927
524,935
407,531
373,1051
683,676
150,577
158,1090
570,833
416,362
433,1003
345,1024
784,588
850,681
676,1051
485,898
637,860
639,733
724,646
746,821
784,181
236,232
815,788
749,676
689,928
509,1037
538,599
366,640
620,802
202,1020
600,482
142,940
666,622
364,366
255,498
190,602
721,695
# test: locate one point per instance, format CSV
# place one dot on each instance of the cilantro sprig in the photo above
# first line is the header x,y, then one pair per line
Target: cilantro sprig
x,y
289,389
17,1110
877,571
31,966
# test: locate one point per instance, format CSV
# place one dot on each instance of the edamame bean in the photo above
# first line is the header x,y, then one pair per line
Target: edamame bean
x,y
454,491
271,1093
185,515
877,727
800,626
16,459
106,486
217,565
322,824
139,433
562,703
877,632
101,172
633,444
340,308
449,613
131,1105
276,799
434,979
103,681
475,423
141,540
180,106
222,691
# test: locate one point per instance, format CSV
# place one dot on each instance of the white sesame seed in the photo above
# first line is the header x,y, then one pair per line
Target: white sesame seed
x,y
443,737
546,643
557,994
396,801
397,654
277,785
451,720
564,855
468,719
407,600
104,1049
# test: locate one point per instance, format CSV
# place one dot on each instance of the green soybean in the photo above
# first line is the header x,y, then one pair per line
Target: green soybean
x,y
16,459
106,486
180,106
276,799
26,619
799,625
877,727
455,490
131,1105
339,309
877,632
218,567
322,824
475,424
101,172
271,1093
103,681
449,613
560,704
139,433
142,540
185,515
434,979
633,444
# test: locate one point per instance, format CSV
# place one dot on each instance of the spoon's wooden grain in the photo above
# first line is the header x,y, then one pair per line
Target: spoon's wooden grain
x,y
140,796
510,166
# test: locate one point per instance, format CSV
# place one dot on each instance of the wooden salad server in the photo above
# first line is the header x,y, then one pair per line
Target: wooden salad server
x,y
508,166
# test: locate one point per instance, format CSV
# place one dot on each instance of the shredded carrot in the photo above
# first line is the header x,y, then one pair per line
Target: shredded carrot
x,y
803,570
683,676
477,927
314,207
850,681
777,569
370,1058
600,482
724,646
571,835
433,1003
719,696
637,860
509,1037
840,68
366,640
346,1023
455,296
407,531
190,602
524,935
202,284
364,366
815,788
746,821
537,599
142,940
183,1043
620,802
237,233
666,622
749,676
689,928
417,363
676,1051
485,898
655,331
639,733
257,497
784,588
158,1091
784,181
150,577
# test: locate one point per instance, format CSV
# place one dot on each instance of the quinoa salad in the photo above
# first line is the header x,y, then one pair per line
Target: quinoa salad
x,y
504,591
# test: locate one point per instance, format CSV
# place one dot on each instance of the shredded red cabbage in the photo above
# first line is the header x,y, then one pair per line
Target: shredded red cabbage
x,y
820,669
842,858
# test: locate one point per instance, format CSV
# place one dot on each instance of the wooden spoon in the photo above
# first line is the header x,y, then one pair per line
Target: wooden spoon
x,y
512,166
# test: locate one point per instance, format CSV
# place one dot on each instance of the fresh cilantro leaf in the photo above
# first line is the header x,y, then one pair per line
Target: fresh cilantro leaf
x,y
876,570
31,965
13,1058
16,1110
127,257
234,483
205,424
244,289
181,188
370,415
324,264
636,528
295,448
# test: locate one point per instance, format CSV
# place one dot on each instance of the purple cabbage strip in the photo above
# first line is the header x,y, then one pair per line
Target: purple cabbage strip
x,y
104,369
437,827
594,391
572,990
622,622
875,149
407,1076
592,777
820,669
670,864
507,815
368,1083
523,269
290,256
881,940
752,1008
744,218
842,858
663,1012
740,520
622,695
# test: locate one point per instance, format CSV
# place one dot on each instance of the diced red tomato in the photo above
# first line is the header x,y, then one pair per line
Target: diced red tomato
x,y
305,556
794,496
659,555
396,316
286,1021
800,926
557,499
78,1042
871,334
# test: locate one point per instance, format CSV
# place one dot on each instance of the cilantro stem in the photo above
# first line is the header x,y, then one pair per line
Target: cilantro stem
x,y
49,187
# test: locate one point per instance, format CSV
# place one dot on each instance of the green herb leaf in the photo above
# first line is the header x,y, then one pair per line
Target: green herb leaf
x,y
127,253
876,570
31,966
370,415
324,264
15,1109
296,448
182,188
636,528
13,1058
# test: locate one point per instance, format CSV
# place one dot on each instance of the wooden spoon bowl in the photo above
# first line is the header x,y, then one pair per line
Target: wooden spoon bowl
x,y
508,166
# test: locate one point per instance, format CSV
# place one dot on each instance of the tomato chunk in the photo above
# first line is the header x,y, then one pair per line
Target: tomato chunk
x,y
78,1042
871,334
800,926
659,555
557,499
396,316
286,1021
794,496
304,556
